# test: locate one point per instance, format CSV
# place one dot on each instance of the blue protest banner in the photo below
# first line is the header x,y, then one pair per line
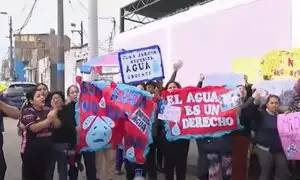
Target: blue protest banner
x,y
140,65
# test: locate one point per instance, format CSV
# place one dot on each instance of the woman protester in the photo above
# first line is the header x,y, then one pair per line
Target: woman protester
x,y
215,155
89,157
272,159
64,137
175,152
37,140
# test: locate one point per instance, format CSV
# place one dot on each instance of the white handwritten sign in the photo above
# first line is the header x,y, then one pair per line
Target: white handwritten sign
x,y
284,88
170,113
140,65
220,79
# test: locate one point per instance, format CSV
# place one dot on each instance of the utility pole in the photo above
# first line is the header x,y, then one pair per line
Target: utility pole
x,y
57,66
80,32
92,32
11,51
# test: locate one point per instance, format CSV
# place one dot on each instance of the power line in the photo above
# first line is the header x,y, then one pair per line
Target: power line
x,y
28,18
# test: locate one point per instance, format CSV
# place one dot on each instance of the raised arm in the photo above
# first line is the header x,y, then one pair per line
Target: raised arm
x,y
10,111
200,82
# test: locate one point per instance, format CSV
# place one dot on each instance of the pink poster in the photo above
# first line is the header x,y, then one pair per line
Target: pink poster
x,y
289,131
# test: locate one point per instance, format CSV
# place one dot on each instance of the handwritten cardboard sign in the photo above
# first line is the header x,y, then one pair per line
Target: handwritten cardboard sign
x,y
284,88
140,65
220,79
289,131
170,113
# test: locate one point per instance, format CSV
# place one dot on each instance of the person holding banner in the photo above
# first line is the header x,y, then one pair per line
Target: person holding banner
x,y
175,160
151,156
268,144
89,157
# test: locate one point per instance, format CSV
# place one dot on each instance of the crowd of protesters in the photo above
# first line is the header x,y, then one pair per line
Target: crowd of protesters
x,y
48,128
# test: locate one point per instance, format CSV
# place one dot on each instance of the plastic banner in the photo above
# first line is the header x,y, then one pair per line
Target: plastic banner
x,y
288,126
205,112
96,129
140,65
138,107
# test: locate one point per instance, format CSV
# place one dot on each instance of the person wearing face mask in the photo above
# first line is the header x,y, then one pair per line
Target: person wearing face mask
x,y
175,152
89,158
37,141
64,137
268,147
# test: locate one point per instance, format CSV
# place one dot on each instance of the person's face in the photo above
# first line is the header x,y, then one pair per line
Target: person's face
x,y
43,89
38,100
150,89
243,91
159,84
73,93
273,104
56,101
141,87
172,86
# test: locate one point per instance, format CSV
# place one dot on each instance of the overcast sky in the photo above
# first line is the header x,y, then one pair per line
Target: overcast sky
x,y
44,17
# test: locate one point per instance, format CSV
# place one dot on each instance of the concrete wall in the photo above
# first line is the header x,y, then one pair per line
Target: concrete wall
x,y
208,37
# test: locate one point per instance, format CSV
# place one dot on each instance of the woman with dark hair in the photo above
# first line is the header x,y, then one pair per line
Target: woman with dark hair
x,y
64,137
37,139
45,91
268,144
175,152
89,157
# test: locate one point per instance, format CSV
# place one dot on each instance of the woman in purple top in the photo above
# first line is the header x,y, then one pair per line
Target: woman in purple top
x,y
37,138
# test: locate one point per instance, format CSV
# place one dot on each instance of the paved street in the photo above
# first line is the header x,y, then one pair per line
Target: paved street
x,y
12,148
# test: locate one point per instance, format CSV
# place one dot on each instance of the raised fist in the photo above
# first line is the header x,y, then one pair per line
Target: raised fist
x,y
202,77
178,65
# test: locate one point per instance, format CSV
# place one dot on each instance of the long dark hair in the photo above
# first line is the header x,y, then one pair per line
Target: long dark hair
x,y
170,82
69,88
61,94
47,99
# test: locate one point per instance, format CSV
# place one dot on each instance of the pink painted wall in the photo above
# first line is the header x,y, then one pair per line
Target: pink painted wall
x,y
208,44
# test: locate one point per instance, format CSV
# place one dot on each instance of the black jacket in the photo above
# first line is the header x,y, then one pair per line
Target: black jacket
x,y
67,132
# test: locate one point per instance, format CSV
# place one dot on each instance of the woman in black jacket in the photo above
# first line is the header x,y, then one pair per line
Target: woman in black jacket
x,y
268,144
89,157
64,137
175,152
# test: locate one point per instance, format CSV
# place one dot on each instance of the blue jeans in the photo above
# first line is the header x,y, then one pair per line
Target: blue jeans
x,y
90,167
3,166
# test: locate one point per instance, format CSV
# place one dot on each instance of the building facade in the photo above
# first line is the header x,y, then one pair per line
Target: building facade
x,y
29,48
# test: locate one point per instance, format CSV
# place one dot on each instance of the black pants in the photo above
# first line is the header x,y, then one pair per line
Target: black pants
x,y
90,166
175,154
35,163
159,153
3,166
150,160
133,168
